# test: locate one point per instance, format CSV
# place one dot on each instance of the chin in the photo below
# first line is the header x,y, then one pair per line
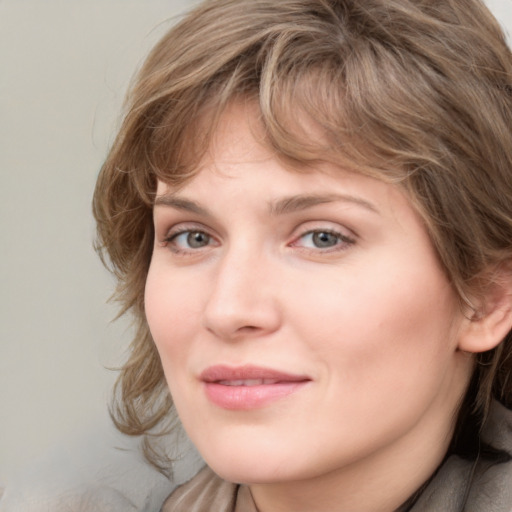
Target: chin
x,y
253,468
249,474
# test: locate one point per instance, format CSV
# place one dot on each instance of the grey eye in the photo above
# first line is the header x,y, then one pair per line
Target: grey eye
x,y
197,239
322,239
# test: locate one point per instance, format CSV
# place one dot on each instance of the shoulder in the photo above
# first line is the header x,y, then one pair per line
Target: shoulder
x,y
483,486
206,491
491,490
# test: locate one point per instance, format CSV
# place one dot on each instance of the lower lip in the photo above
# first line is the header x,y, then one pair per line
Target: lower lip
x,y
249,397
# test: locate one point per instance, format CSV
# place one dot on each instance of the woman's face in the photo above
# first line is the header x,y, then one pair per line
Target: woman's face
x,y
303,321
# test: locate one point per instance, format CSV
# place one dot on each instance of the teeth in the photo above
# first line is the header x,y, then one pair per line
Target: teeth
x,y
234,382
248,382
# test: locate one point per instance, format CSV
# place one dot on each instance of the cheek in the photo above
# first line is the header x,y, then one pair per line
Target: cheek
x,y
170,312
385,327
386,353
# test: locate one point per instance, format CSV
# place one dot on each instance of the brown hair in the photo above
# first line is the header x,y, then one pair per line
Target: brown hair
x,y
416,92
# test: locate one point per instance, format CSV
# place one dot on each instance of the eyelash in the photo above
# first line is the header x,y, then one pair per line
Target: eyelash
x,y
343,241
170,240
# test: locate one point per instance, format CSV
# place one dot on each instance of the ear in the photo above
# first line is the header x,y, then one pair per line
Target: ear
x,y
491,321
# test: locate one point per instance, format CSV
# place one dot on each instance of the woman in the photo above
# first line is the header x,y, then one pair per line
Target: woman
x,y
308,211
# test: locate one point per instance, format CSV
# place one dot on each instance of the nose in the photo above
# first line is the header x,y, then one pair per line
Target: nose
x,y
243,301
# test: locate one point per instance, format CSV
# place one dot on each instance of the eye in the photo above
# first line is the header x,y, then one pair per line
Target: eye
x,y
189,240
323,239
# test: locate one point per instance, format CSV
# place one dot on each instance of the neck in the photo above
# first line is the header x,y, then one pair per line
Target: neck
x,y
379,486
381,482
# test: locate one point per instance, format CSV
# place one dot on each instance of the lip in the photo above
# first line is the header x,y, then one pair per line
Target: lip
x,y
249,387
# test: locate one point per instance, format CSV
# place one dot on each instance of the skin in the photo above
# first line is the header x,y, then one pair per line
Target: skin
x,y
365,312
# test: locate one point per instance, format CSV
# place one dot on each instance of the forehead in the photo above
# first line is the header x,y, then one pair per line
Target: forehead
x,y
239,144
240,163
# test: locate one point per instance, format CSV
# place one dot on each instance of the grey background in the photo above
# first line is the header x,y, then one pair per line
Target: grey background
x,y
64,68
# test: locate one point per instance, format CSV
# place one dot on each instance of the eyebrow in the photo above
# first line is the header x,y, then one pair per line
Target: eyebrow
x,y
181,203
305,201
280,207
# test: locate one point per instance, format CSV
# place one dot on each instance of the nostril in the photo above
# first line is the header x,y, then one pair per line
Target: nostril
x,y
248,328
229,314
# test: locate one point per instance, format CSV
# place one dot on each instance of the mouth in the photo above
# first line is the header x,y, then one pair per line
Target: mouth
x,y
248,382
249,387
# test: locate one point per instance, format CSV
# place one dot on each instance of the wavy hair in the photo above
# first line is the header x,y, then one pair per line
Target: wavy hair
x,y
414,92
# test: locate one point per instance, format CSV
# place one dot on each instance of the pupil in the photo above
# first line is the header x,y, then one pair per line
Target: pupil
x,y
324,239
197,239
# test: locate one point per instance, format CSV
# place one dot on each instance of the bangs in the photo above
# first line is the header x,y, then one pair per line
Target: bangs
x,y
303,116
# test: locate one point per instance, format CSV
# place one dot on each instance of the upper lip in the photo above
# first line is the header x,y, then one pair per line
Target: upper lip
x,y
248,372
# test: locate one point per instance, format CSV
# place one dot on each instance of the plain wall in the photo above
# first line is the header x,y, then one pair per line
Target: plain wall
x,y
64,68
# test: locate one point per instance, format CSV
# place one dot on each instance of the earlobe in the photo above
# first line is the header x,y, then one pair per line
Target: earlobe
x,y
491,321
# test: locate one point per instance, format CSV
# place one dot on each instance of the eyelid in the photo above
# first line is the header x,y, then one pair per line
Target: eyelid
x,y
182,227
346,237
168,239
